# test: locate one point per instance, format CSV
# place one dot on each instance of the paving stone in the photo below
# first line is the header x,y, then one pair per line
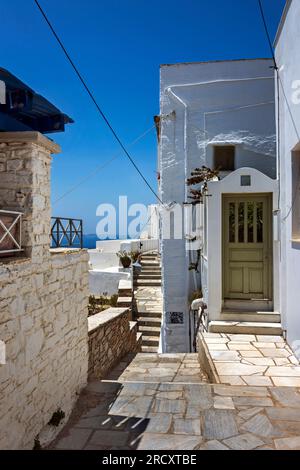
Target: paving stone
x,y
242,338
277,371
170,395
286,381
223,403
103,387
293,360
252,401
109,438
75,440
260,425
269,352
214,445
231,380
96,422
216,340
289,427
217,347
270,339
154,441
261,361
200,395
187,426
240,346
243,442
261,345
236,391
219,424
225,356
286,396
257,380
254,353
288,443
250,412
160,423
281,361
232,368
286,414
162,405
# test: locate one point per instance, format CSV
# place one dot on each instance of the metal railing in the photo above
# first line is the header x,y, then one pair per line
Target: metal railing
x,y
10,231
66,233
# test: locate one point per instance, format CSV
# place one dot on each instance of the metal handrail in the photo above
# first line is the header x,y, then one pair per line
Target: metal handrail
x,y
66,232
12,233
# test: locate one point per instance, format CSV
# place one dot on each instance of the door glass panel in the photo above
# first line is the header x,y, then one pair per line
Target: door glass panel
x,y
231,222
259,215
241,222
250,221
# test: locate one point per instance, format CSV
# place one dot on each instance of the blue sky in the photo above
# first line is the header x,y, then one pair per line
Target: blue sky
x,y
118,45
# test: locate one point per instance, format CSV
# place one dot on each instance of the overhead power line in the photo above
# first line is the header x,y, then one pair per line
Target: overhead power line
x,y
279,81
99,168
91,95
267,33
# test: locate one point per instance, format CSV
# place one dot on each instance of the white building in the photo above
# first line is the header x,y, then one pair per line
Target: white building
x,y
221,115
288,61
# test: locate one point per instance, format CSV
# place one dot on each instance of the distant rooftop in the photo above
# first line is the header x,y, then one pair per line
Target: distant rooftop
x,y
25,110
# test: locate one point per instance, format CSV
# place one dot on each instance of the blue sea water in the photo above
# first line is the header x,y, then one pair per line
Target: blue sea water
x,y
89,241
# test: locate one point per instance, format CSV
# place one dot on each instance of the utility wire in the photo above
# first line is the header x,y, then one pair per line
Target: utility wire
x,y
98,169
109,125
267,33
279,81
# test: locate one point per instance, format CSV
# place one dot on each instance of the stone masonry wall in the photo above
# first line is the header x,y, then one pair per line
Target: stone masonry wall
x,y
43,301
111,336
43,322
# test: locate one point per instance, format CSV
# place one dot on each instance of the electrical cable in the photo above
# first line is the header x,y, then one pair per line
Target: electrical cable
x,y
99,168
91,95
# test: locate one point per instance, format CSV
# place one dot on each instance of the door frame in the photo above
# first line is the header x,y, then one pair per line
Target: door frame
x,y
268,285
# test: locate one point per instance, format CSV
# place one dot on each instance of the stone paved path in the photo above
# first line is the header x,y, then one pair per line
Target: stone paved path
x,y
123,414
252,359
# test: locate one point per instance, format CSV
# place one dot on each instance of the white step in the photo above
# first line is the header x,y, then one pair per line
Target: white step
x,y
147,282
255,328
150,340
149,349
249,316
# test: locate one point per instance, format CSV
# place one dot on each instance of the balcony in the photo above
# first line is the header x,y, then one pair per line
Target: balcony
x,y
66,233
10,232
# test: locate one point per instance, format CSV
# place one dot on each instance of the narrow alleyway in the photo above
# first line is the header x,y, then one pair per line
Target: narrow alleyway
x,y
148,298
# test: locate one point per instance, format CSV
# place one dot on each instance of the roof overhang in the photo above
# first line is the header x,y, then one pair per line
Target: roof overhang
x,y
23,109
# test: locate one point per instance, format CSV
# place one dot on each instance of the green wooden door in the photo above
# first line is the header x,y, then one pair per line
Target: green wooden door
x,y
247,242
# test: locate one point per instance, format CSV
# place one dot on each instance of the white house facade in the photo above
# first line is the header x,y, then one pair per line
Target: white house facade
x,y
288,118
220,115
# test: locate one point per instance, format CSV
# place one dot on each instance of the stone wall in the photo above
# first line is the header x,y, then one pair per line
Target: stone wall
x,y
43,301
111,337
43,324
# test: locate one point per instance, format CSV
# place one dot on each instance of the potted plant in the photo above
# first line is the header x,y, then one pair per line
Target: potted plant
x,y
124,258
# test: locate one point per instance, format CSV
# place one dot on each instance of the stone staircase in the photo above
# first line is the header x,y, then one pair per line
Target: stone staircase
x,y
247,322
148,298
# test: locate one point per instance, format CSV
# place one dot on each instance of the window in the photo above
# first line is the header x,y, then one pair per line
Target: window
x,y
224,157
295,201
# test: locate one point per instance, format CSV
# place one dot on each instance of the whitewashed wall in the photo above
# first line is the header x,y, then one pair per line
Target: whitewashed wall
x,y
202,104
287,56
